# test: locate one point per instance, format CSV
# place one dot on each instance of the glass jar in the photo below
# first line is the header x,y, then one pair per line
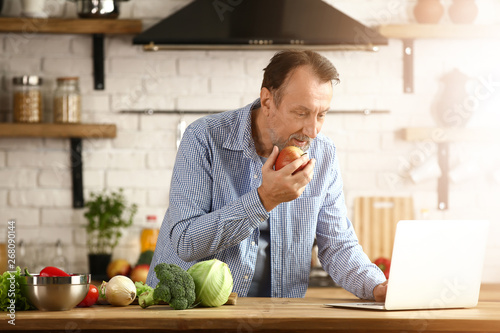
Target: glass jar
x,y
149,234
67,101
27,99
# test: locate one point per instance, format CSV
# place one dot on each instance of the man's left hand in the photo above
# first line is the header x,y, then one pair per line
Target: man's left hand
x,y
380,291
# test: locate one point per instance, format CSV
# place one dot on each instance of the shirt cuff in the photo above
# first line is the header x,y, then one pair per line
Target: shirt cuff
x,y
371,284
254,208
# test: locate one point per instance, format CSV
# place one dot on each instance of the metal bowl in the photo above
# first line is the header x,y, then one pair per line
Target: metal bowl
x,y
98,8
56,293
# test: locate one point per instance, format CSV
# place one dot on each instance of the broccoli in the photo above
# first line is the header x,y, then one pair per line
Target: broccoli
x,y
175,287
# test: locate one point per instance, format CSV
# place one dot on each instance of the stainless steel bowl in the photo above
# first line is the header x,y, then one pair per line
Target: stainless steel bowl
x,y
56,293
98,8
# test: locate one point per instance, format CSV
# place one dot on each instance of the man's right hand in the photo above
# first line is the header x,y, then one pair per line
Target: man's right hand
x,y
281,186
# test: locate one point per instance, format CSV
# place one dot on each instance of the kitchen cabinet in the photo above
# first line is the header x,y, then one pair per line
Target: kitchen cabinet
x,y
269,315
75,132
409,32
96,27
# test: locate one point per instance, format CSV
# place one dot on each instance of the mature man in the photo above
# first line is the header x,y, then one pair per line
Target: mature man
x,y
228,202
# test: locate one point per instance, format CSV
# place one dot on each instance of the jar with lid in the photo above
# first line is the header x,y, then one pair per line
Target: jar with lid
x,y
67,101
27,99
149,234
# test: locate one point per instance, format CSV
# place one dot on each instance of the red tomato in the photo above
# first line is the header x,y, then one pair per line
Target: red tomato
x,y
91,298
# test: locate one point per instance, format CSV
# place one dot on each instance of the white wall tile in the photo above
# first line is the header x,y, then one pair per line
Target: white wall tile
x,y
56,177
66,66
3,198
93,179
18,178
64,217
24,217
40,198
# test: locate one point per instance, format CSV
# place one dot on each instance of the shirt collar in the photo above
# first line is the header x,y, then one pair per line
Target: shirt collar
x,y
240,137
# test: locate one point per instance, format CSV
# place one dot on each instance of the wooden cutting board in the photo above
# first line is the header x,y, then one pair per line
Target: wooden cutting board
x,y
375,220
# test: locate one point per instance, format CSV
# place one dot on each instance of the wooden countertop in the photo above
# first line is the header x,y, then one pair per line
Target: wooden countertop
x,y
268,315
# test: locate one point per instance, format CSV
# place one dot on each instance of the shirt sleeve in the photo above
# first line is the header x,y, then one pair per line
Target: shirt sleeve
x,y
338,249
194,229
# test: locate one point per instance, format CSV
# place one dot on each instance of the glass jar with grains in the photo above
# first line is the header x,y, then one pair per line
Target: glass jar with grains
x,y
67,101
27,99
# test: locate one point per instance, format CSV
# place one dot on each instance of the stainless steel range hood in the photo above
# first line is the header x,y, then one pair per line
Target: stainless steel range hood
x,y
259,24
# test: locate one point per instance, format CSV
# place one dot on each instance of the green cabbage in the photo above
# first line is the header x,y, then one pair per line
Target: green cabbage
x,y
213,282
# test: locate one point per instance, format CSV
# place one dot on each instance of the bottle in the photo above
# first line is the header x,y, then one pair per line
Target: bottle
x,y
27,99
149,234
67,101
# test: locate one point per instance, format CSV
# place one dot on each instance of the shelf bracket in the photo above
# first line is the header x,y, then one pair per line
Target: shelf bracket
x,y
408,65
76,172
443,181
98,57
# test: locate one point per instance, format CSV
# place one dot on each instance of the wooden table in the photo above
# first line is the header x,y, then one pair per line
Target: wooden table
x,y
268,315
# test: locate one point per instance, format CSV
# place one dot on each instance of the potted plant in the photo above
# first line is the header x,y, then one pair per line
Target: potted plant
x,y
107,215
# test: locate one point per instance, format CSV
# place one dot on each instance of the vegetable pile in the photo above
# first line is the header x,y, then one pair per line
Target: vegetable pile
x,y
206,283
175,287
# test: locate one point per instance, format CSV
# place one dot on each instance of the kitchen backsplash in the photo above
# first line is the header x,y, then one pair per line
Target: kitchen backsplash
x,y
35,178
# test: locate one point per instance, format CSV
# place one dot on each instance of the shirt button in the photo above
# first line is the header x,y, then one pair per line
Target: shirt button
x,y
253,243
246,277
255,176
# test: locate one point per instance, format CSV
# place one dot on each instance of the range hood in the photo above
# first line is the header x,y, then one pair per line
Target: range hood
x,y
259,24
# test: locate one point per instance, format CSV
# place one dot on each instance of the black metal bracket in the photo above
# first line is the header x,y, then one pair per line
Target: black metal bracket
x,y
408,65
98,56
76,172
443,181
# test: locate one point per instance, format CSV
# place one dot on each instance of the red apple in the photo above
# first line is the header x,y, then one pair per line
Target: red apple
x,y
139,273
118,267
288,155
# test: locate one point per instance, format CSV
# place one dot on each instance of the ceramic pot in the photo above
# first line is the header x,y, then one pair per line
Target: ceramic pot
x,y
428,11
463,11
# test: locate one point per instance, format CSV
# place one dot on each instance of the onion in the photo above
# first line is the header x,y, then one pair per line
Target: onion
x,y
120,291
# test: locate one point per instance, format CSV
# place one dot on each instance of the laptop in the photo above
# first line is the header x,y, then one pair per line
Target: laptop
x,y
436,264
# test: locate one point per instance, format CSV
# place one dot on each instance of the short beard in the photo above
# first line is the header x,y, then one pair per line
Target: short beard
x,y
284,143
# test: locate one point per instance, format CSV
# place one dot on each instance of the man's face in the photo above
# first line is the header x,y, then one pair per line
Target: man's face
x,y
302,111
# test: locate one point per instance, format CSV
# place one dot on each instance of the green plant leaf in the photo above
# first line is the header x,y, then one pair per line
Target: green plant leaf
x,y
107,214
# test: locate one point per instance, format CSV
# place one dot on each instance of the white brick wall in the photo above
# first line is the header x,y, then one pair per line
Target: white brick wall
x,y
35,183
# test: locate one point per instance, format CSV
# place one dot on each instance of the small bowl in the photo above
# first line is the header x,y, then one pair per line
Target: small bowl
x,y
56,293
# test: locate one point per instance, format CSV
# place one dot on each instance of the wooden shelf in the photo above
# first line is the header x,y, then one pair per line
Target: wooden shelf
x,y
70,26
443,31
58,130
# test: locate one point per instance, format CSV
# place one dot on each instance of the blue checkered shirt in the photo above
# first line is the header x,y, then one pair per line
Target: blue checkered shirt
x,y
215,212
